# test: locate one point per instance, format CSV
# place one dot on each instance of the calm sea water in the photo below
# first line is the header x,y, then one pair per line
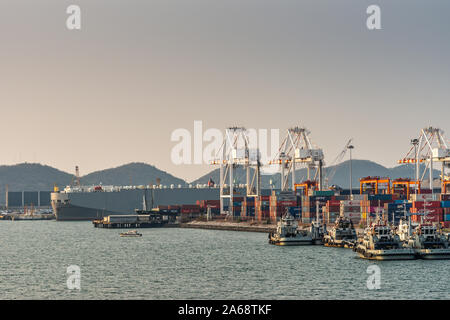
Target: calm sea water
x,y
195,264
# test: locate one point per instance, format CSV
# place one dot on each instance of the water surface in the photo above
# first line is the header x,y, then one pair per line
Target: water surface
x,y
195,264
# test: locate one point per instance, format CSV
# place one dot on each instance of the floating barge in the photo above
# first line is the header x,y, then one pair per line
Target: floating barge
x,y
228,226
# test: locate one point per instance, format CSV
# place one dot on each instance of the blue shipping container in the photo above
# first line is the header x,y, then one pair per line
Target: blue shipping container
x,y
380,196
445,204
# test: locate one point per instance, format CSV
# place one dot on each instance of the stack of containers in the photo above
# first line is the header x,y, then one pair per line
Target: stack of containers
x,y
189,211
445,204
248,207
190,208
262,208
396,210
435,212
213,204
331,211
281,203
237,206
373,204
351,209
308,208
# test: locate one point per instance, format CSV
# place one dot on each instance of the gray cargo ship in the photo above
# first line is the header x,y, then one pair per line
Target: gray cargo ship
x,y
89,203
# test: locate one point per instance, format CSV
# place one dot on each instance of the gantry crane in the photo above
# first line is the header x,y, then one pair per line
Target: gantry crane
x,y
298,148
375,185
234,152
429,147
405,185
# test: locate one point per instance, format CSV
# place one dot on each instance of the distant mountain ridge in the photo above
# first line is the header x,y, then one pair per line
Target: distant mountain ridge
x,y
38,177
136,173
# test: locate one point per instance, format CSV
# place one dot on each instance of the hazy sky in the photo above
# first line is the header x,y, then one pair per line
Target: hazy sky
x,y
114,91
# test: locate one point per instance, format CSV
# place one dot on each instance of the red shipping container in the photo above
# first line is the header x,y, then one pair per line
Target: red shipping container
x,y
287,203
446,224
428,218
333,203
429,204
189,206
431,211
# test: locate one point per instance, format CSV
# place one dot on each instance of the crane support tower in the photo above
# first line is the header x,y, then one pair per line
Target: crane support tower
x,y
236,152
429,147
297,148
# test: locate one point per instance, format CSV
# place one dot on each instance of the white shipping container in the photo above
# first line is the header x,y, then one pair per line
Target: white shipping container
x,y
352,215
359,197
422,197
350,203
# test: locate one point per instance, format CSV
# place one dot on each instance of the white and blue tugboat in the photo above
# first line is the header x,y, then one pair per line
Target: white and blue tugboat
x,y
287,233
342,234
380,243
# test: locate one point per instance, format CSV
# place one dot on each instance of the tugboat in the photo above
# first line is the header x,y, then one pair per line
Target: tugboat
x,y
287,233
343,234
380,243
430,243
132,233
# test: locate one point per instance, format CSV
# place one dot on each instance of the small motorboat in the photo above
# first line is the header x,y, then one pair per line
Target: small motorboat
x,y
132,233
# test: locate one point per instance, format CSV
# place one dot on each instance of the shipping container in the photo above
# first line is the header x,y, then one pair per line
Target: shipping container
x,y
359,197
445,204
349,203
381,197
421,197
428,205
324,193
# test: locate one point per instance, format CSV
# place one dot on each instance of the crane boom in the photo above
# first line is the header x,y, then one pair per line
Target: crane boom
x,y
337,160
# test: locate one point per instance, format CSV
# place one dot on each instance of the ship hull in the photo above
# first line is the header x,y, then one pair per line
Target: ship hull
x,y
77,213
294,241
434,254
393,254
80,206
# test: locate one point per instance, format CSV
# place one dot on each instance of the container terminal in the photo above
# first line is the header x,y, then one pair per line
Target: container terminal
x,y
305,200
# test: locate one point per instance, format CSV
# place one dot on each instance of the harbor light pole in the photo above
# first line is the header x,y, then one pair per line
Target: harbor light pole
x,y
415,143
350,147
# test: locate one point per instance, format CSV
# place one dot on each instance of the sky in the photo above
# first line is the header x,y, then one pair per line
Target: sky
x,y
114,91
